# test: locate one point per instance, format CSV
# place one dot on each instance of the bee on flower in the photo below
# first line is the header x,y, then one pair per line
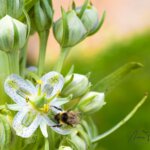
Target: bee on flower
x,y
35,103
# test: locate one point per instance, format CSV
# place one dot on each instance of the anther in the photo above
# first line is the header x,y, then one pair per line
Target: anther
x,y
27,99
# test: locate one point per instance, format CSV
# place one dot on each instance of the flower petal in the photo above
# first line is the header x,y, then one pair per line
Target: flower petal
x,y
22,130
59,101
14,107
17,88
52,83
59,130
43,127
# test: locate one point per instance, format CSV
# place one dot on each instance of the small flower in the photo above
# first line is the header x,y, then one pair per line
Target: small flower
x,y
91,102
76,84
35,103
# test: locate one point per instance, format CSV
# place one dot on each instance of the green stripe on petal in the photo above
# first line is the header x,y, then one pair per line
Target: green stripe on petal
x,y
55,81
22,130
17,89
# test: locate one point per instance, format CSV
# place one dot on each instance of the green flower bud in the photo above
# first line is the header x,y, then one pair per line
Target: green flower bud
x,y
91,102
76,85
13,34
90,18
5,132
78,141
69,29
42,15
14,8
65,148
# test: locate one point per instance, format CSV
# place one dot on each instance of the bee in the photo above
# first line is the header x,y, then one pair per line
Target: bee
x,y
69,117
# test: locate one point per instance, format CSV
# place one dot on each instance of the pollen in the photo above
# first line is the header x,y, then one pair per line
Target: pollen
x,y
46,108
58,93
39,82
27,99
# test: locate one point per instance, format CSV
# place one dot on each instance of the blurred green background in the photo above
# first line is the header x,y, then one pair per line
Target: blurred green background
x,y
125,96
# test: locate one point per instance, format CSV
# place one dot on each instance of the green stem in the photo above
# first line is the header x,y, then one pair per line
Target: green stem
x,y
122,122
43,43
46,144
13,61
23,59
62,57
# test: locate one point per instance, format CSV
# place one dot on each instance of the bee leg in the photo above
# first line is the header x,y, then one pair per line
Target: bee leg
x,y
57,108
57,125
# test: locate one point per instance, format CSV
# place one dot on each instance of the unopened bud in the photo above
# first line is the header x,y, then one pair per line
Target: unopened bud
x,y
13,8
69,30
90,18
76,85
13,34
91,102
43,15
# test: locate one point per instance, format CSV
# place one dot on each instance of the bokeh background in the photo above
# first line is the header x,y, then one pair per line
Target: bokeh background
x,y
124,37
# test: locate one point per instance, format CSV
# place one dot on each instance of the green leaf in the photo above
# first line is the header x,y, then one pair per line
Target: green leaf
x,y
122,122
112,80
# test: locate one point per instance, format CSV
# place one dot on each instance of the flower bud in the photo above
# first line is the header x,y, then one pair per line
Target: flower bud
x,y
76,85
69,29
13,34
90,18
65,148
43,15
91,102
78,141
5,132
14,8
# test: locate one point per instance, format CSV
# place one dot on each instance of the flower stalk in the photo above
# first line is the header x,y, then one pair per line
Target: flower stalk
x,y
13,60
43,36
122,122
63,55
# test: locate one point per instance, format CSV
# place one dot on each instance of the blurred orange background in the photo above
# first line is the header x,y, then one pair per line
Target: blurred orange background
x,y
124,18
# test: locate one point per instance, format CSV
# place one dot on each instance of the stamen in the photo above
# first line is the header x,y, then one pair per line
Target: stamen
x,y
39,82
46,108
27,99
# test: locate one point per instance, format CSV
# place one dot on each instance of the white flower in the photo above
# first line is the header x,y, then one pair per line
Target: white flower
x,y
35,104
